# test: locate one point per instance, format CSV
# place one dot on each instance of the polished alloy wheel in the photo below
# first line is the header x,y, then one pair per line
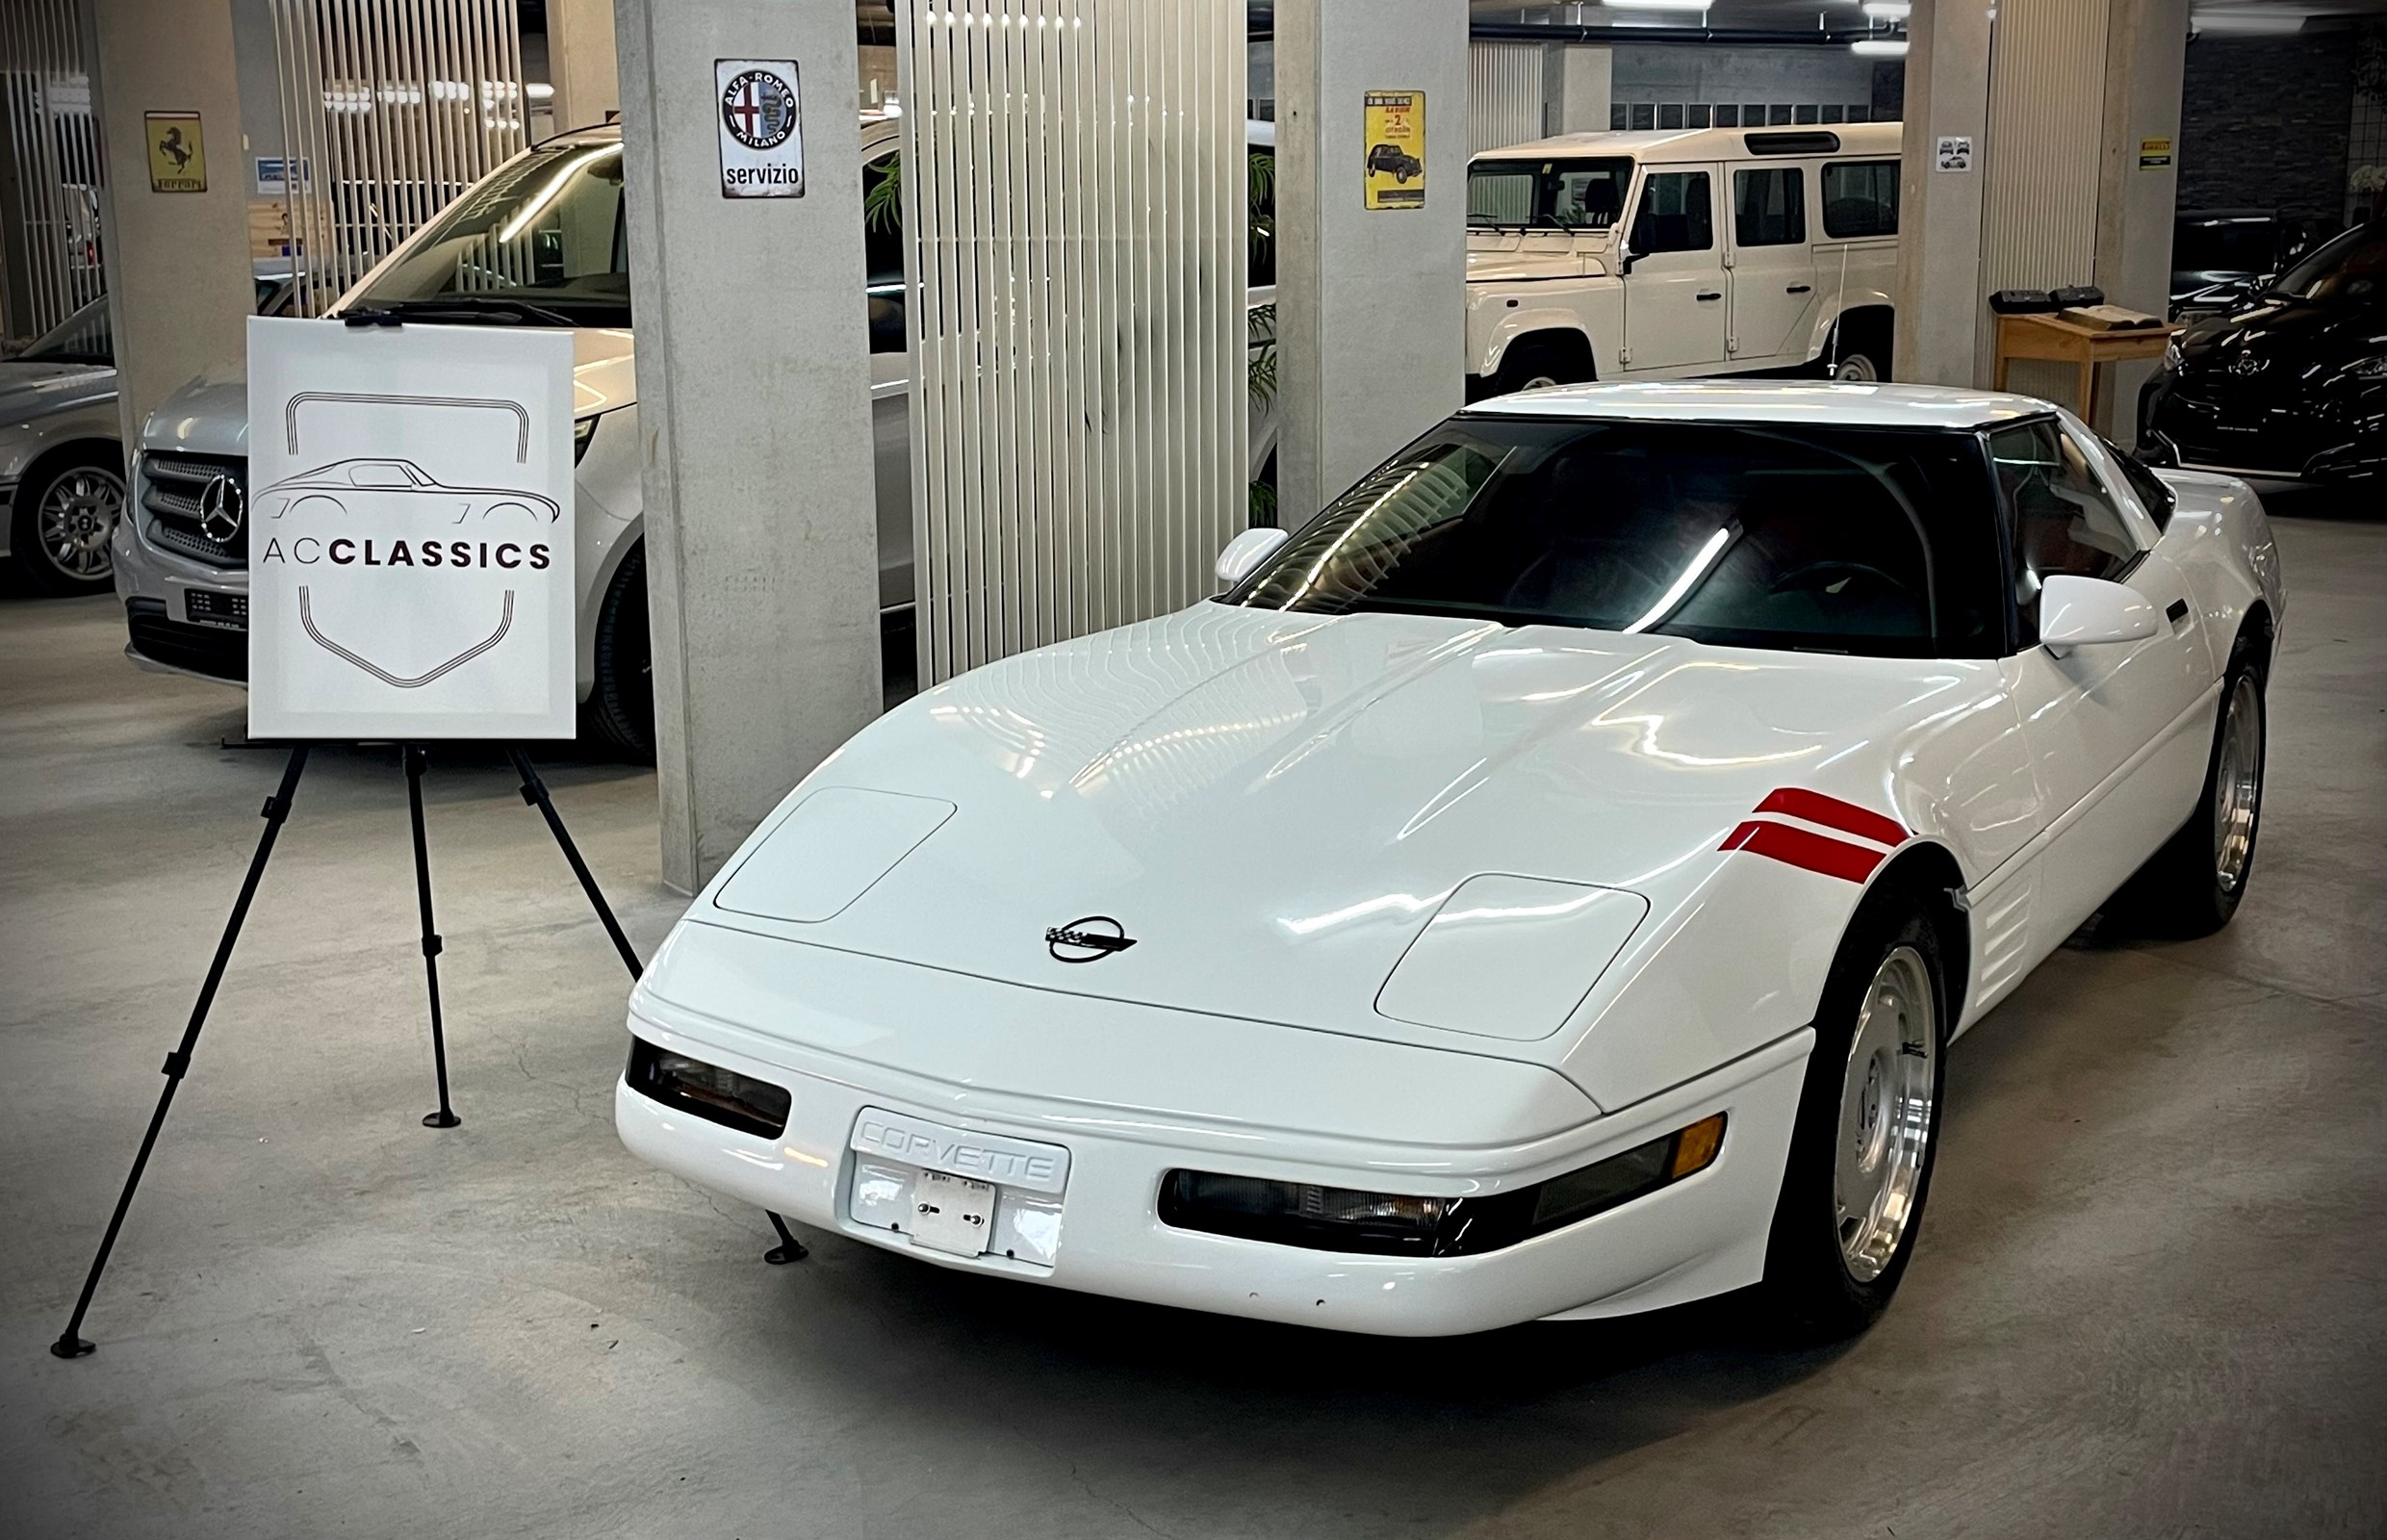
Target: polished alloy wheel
x,y
77,519
1885,1106
2238,783
1856,367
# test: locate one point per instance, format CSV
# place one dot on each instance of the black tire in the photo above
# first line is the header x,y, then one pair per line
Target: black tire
x,y
1812,1290
620,713
2188,889
73,554
1529,363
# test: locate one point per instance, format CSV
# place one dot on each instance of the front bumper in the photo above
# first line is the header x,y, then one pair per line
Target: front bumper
x,y
166,635
1701,1236
2210,425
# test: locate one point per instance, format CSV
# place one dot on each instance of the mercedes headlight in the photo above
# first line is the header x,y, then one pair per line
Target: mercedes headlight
x,y
2368,368
2172,353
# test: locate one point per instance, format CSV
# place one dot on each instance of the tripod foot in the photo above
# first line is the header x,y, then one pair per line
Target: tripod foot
x,y
72,1347
790,1249
443,1118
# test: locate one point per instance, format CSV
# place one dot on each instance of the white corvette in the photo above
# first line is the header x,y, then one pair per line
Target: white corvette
x,y
1545,885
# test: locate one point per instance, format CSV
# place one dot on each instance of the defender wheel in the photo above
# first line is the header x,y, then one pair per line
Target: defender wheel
x,y
620,713
2191,885
1856,366
1868,1127
65,520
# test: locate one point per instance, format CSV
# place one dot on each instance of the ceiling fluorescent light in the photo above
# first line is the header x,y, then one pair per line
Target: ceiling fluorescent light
x,y
1700,5
1878,47
2248,20
1888,9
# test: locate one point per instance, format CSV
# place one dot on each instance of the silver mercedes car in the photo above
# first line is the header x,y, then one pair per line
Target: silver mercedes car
x,y
62,455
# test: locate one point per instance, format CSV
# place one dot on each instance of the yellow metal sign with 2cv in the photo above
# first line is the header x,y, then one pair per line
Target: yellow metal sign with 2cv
x,y
1395,139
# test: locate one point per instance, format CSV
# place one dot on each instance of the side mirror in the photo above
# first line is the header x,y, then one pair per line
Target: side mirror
x,y
2086,611
1244,553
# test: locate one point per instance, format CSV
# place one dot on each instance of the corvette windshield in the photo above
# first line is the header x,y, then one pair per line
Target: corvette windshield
x,y
541,242
1859,539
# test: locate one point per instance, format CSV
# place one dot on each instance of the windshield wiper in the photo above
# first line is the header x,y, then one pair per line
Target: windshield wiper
x,y
473,308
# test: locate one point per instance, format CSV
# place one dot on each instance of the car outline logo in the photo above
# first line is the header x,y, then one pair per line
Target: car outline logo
x,y
2247,364
1089,939
223,509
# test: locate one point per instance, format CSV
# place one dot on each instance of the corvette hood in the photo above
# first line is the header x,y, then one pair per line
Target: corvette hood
x,y
1272,806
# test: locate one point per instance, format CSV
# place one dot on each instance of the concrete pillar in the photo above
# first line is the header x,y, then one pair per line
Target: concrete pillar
x,y
755,408
1370,329
178,270
1584,78
1947,96
581,61
2145,58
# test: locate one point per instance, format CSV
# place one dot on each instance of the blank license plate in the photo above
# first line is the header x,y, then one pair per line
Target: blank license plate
x,y
952,1213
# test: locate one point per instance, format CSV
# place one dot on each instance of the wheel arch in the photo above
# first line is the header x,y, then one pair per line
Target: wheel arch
x,y
2260,631
70,450
1857,325
1926,874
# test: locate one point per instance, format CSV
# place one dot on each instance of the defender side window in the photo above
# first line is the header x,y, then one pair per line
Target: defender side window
x,y
1769,207
1860,199
2063,520
1677,213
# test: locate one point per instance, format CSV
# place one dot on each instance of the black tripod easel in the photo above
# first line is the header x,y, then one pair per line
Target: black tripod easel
x,y
70,1344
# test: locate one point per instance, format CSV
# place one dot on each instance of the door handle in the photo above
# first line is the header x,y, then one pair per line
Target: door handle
x,y
1713,294
1800,289
2176,611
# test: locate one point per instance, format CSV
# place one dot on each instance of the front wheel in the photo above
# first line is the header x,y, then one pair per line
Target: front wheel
x,y
1868,1127
620,713
65,520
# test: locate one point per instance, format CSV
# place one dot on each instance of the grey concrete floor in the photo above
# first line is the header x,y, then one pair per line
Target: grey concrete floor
x,y
2152,1297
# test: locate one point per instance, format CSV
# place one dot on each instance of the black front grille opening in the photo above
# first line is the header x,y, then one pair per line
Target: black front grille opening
x,y
1393,1224
215,651
709,1091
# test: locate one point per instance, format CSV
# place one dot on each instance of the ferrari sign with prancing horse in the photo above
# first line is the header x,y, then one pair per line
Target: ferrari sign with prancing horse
x,y
761,128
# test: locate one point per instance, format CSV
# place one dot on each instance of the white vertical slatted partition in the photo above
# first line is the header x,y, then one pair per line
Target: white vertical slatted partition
x,y
1074,192
2039,217
394,107
54,153
1503,95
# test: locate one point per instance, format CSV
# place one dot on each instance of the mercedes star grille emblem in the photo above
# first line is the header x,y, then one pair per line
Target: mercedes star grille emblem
x,y
2246,364
1088,941
221,508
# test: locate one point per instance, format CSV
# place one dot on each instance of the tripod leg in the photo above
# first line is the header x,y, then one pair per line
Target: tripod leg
x,y
534,792
446,1116
789,1248
70,1344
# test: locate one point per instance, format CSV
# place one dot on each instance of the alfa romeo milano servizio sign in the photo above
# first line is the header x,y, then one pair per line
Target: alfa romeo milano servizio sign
x,y
410,532
761,128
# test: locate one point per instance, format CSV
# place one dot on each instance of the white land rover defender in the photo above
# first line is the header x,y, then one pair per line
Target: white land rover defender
x,y
1708,251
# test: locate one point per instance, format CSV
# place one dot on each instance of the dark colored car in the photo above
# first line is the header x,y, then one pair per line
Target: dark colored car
x,y
2219,255
2291,386
1394,161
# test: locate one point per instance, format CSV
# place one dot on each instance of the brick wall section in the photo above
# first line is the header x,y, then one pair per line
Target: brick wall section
x,y
2264,123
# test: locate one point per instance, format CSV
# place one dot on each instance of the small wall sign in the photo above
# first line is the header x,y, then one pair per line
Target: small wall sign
x,y
2154,153
177,152
761,124
1395,137
1953,153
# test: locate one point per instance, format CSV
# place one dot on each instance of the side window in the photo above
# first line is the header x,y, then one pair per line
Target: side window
x,y
883,251
1860,199
2063,520
1769,207
1677,213
2155,495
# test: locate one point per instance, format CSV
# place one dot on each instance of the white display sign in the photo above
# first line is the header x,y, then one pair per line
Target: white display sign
x,y
1954,153
410,531
761,128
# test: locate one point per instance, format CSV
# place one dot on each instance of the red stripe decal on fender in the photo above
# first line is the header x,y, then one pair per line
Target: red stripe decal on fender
x,y
1834,813
1809,851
